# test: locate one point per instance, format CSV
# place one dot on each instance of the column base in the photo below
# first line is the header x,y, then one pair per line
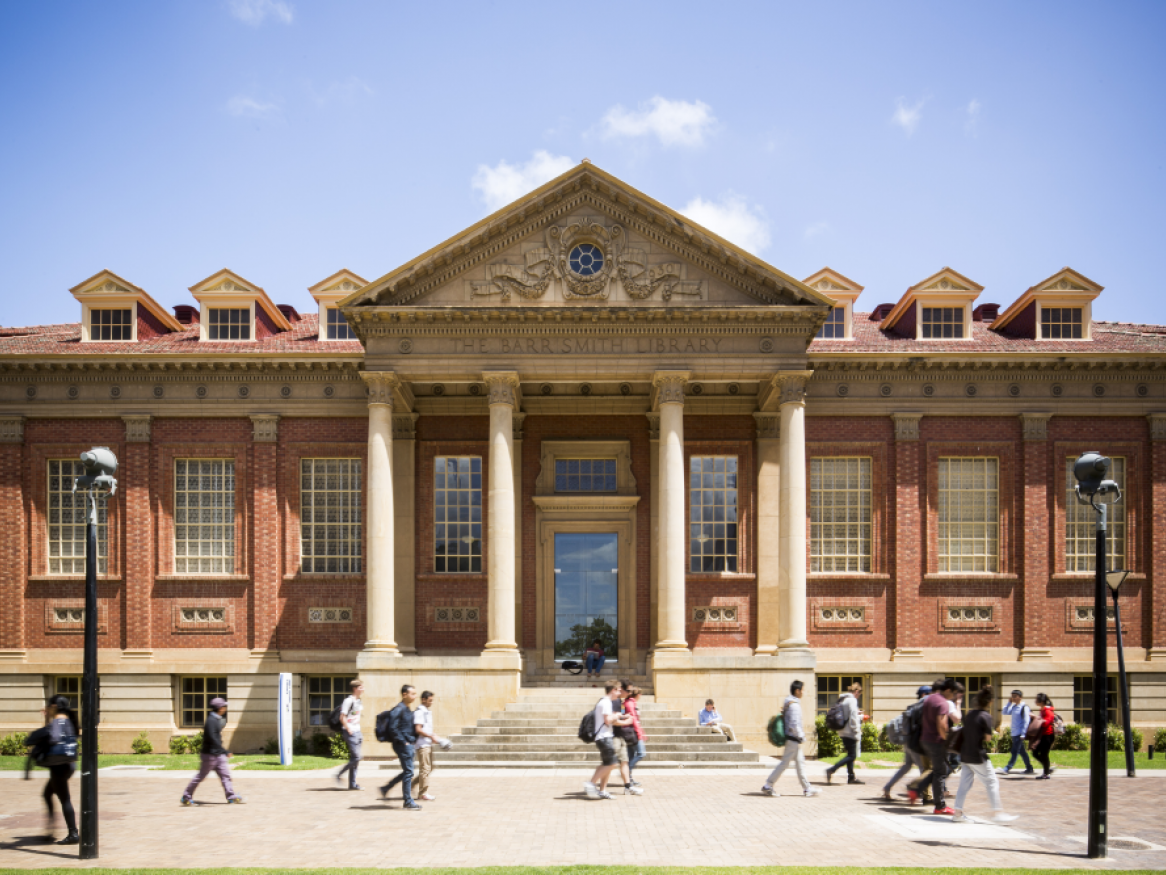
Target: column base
x,y
766,650
505,646
1156,654
503,659
670,647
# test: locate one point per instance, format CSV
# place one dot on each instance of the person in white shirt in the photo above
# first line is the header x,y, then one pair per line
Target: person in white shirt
x,y
350,710
606,716
423,720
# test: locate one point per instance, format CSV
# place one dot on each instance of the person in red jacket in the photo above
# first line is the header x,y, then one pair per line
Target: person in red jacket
x,y
1045,743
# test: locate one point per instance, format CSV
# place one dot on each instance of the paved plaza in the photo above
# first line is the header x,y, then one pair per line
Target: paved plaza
x,y
541,817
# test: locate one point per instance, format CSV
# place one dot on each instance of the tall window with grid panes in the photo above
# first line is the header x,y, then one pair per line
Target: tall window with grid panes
x,y
111,324
204,516
324,694
712,491
330,516
195,698
831,686
969,525
457,509
840,514
1083,699
834,327
1081,523
67,519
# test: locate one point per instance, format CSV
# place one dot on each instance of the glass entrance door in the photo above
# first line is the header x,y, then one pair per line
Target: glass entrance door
x,y
586,589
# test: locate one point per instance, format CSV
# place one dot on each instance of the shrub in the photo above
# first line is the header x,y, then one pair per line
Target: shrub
x,y
1075,738
829,742
186,743
1139,737
177,744
271,746
14,745
80,744
1160,740
1004,742
1115,737
321,744
870,737
141,744
339,749
299,746
884,742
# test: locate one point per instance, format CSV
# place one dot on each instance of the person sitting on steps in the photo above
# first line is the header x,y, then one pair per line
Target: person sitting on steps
x,y
595,658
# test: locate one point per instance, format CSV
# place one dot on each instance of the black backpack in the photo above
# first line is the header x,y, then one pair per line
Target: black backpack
x,y
836,718
587,730
914,721
384,727
334,722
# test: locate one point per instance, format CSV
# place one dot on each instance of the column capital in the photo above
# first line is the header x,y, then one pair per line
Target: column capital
x,y
906,426
653,426
11,429
264,428
768,425
792,385
669,386
137,427
1035,426
1157,426
404,426
503,387
380,386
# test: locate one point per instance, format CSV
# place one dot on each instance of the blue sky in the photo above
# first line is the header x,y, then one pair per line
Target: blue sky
x,y
286,139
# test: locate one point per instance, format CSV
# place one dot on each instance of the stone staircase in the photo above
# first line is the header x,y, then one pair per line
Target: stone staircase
x,y
539,731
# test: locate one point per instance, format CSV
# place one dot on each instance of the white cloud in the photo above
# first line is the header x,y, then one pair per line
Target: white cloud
x,y
907,117
733,218
815,229
973,119
255,12
243,106
672,122
505,182
347,92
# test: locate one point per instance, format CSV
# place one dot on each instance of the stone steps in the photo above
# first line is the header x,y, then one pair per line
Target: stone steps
x,y
585,754
558,727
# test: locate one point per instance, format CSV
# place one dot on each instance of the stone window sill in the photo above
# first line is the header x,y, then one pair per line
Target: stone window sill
x,y
721,575
72,578
355,576
1088,577
849,575
214,578
988,577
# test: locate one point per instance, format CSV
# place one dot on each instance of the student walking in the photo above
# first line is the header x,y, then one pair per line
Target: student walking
x,y
851,735
423,724
975,762
350,710
606,717
1044,743
1021,714
214,757
631,707
402,733
55,748
933,738
911,758
795,736
711,718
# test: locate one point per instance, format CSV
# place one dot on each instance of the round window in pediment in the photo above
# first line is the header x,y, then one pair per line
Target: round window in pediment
x,y
586,259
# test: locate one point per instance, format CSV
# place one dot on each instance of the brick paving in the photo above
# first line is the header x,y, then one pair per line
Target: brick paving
x,y
541,817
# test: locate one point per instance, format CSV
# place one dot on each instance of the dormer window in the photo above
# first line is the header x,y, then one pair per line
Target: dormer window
x,y
112,324
328,294
942,323
1057,308
839,324
1060,323
229,323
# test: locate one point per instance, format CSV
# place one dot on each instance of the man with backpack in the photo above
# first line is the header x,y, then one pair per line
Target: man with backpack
x,y
397,726
899,732
845,718
345,719
1021,715
933,735
795,736
603,718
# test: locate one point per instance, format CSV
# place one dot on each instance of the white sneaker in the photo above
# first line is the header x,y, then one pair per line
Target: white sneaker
x,y
769,791
1001,817
591,790
425,797
603,794
633,791
961,818
810,792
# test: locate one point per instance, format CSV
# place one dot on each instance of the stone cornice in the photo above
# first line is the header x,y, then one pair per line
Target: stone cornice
x,y
189,367
915,364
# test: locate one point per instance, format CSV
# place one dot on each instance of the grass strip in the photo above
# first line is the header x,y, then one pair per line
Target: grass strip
x,y
594,870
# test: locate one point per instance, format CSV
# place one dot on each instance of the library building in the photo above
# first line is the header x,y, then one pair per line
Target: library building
x,y
583,418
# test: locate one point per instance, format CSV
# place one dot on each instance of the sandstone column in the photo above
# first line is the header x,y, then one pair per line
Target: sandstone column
x,y
654,537
519,419
379,573
769,591
792,528
672,550
503,388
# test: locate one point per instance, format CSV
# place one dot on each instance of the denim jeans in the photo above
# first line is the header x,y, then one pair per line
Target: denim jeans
x,y
353,741
851,745
404,754
910,760
1019,749
638,754
938,754
594,662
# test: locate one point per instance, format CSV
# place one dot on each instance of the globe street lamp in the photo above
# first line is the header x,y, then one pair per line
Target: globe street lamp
x,y
1115,579
1098,492
97,482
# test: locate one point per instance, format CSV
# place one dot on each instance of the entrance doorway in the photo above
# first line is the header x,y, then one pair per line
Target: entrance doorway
x,y
586,593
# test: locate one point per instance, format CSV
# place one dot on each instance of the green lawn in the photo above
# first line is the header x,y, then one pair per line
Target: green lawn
x,y
190,762
1068,759
596,870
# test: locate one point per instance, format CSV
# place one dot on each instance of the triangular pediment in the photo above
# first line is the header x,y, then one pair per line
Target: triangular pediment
x,y
840,288
1068,280
227,286
586,238
947,280
339,285
106,287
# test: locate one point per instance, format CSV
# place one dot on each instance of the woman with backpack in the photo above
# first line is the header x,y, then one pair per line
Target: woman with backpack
x,y
1044,741
55,748
972,749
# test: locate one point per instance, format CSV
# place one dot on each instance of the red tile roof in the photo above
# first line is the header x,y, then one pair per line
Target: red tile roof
x,y
1108,337
66,340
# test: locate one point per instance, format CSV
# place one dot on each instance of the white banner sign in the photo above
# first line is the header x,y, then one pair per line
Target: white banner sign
x,y
285,718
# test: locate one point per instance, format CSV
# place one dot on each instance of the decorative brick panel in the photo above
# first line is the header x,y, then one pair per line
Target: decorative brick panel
x,y
958,614
67,616
830,616
204,619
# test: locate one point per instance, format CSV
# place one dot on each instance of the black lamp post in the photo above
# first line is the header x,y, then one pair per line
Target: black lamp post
x,y
1114,579
98,482
1095,490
